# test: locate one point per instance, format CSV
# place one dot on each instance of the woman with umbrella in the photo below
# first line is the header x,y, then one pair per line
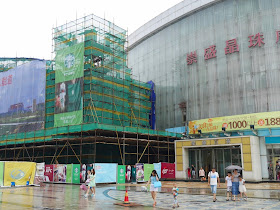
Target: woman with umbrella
x,y
235,180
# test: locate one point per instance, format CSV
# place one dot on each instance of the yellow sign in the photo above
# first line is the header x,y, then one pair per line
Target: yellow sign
x,y
236,122
19,172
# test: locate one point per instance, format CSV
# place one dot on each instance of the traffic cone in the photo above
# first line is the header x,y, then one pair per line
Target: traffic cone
x,y
126,200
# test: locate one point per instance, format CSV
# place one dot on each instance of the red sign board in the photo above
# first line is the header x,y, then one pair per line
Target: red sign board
x,y
167,170
48,173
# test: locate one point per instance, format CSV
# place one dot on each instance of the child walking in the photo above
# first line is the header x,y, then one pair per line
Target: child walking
x,y
242,188
229,185
175,192
91,185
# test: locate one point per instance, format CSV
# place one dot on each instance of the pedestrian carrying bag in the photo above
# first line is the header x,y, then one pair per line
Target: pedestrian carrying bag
x,y
157,184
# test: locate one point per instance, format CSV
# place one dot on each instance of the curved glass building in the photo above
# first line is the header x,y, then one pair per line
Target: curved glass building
x,y
210,59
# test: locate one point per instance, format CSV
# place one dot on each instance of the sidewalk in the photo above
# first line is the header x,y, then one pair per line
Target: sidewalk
x,y
258,190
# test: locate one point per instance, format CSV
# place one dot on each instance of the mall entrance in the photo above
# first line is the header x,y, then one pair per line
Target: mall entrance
x,y
218,157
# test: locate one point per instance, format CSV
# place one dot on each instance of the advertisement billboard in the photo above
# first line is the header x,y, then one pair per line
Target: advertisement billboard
x,y
59,173
1,173
22,107
148,168
121,174
76,173
236,122
167,170
19,172
69,72
140,172
48,173
69,173
106,172
157,167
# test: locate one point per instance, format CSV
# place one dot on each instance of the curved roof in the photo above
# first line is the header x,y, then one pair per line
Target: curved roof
x,y
167,18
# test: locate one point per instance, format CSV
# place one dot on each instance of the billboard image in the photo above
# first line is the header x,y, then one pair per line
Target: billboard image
x,y
106,172
140,172
59,173
167,170
48,173
23,90
69,72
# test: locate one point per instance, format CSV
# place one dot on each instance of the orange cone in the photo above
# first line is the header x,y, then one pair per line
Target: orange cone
x,y
126,200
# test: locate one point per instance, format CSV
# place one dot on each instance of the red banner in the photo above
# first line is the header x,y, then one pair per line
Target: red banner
x,y
167,170
48,173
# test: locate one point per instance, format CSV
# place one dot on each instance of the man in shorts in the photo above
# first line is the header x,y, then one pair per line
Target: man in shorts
x,y
229,185
213,179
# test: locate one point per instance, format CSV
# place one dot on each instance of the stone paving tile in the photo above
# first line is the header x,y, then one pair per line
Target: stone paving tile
x,y
165,201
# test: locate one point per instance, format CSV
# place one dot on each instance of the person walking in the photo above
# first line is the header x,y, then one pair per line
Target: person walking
x,y
229,185
91,185
153,178
242,188
201,174
213,180
193,172
235,184
270,171
277,170
175,191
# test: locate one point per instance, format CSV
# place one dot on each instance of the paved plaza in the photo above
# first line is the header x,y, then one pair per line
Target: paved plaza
x,y
62,196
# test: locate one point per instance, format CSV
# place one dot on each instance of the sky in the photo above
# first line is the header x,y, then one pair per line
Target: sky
x,y
26,25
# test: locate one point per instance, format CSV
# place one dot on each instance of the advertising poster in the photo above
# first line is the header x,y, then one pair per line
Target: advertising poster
x,y
133,174
59,173
48,173
106,172
148,168
19,172
167,170
121,174
69,72
69,173
236,122
1,173
128,173
24,96
157,167
140,172
39,175
76,173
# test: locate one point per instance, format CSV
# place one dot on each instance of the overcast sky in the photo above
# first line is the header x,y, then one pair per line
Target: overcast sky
x,y
26,25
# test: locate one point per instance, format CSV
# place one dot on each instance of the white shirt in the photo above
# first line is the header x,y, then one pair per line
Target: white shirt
x,y
213,177
241,182
229,182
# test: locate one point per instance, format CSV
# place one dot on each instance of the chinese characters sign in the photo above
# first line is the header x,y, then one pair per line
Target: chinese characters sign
x,y
231,46
236,122
8,80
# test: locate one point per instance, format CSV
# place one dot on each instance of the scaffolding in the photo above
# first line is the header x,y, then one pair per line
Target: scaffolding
x,y
116,107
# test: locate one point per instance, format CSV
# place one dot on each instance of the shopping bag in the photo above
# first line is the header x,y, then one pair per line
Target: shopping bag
x,y
157,184
83,187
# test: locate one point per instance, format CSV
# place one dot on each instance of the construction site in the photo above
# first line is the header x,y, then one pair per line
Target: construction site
x,y
99,114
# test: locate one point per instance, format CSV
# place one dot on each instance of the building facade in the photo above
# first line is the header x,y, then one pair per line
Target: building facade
x,y
210,59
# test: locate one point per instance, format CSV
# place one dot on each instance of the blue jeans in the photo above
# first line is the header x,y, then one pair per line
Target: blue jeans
x,y
213,189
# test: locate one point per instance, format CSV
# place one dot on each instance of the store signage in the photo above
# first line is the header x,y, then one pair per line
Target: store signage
x,y
236,122
231,47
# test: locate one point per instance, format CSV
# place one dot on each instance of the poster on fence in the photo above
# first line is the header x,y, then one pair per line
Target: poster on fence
x,y
148,168
121,174
69,173
76,173
167,170
106,172
140,172
48,173
59,173
19,172
157,167
1,173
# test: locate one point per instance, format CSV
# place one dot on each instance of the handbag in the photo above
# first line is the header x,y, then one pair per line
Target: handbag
x,y
157,184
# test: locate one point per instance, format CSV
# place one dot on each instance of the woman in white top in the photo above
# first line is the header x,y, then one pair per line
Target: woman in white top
x,y
201,174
